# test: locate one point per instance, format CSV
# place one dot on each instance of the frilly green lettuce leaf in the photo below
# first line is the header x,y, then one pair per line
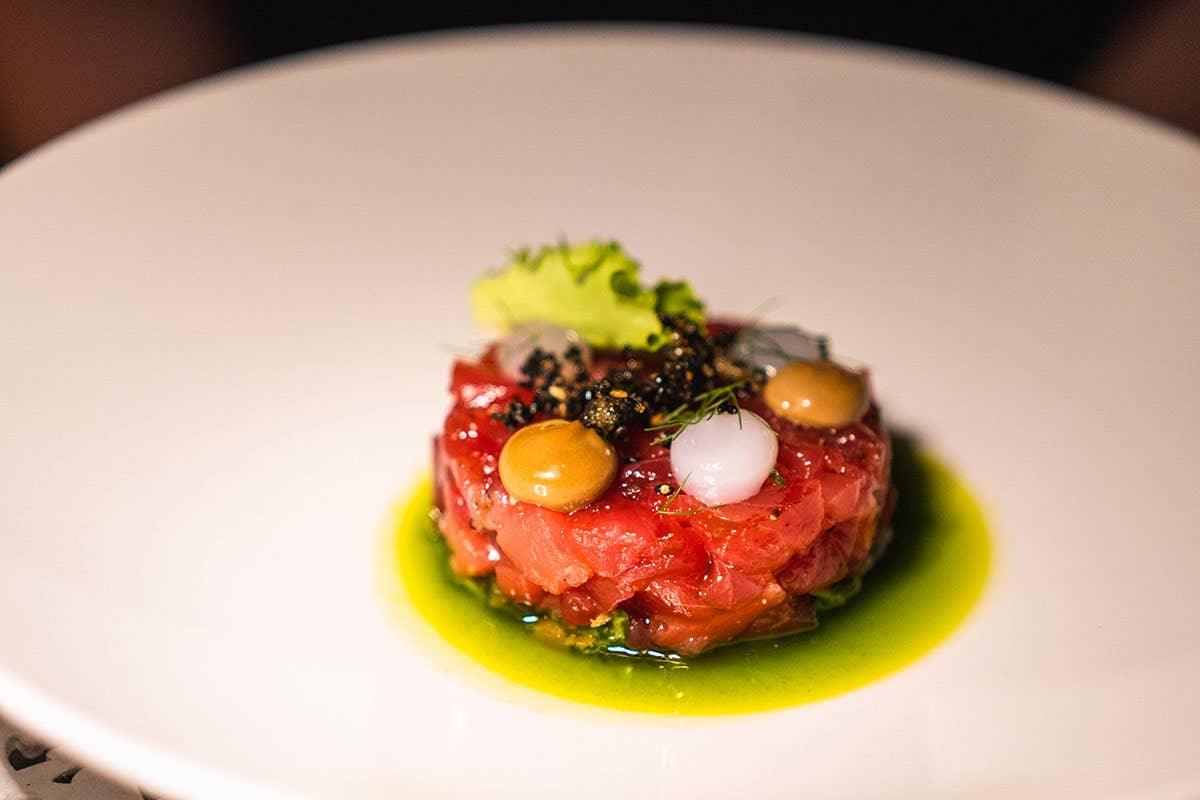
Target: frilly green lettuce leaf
x,y
592,288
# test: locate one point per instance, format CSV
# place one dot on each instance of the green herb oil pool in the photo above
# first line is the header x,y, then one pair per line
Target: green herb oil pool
x,y
921,590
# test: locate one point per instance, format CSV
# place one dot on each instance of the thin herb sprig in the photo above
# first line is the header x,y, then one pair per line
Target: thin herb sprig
x,y
667,511
703,406
671,497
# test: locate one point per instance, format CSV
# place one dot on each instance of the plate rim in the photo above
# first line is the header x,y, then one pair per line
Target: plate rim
x,y
1068,98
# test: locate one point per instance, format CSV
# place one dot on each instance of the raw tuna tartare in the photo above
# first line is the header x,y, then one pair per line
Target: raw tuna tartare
x,y
631,478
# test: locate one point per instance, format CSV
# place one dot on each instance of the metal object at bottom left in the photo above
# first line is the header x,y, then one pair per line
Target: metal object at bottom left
x,y
34,771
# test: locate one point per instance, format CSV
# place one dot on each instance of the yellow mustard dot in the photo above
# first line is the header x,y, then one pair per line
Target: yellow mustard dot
x,y
557,464
817,393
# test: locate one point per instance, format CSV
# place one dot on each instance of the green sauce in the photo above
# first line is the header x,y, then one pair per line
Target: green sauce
x,y
921,590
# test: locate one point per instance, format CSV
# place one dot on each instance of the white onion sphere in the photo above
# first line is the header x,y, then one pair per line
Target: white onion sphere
x,y
773,347
515,348
724,461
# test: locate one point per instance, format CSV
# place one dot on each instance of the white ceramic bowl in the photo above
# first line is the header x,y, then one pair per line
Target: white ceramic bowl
x,y
223,316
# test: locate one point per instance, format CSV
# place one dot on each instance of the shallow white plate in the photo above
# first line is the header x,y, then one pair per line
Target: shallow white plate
x,y
222,318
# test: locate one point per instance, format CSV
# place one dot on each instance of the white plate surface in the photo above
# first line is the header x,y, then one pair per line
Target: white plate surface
x,y
222,316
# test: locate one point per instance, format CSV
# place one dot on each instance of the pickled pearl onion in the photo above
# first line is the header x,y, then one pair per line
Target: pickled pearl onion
x,y
772,347
515,348
725,458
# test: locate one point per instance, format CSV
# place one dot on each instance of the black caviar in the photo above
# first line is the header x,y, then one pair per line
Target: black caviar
x,y
642,390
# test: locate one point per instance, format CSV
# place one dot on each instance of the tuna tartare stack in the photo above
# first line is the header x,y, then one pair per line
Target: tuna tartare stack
x,y
629,477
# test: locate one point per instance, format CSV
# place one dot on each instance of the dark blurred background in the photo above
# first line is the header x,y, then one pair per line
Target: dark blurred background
x,y
63,62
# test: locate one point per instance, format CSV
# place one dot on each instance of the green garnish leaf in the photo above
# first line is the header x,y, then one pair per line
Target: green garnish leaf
x,y
592,288
603,638
701,407
777,479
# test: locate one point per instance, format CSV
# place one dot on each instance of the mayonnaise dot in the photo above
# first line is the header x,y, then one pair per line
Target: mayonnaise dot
x,y
557,464
817,393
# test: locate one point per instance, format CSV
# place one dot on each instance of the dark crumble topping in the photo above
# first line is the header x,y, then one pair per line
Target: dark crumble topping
x,y
517,415
644,389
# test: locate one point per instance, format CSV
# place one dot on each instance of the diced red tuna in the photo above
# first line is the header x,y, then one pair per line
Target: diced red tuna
x,y
688,581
